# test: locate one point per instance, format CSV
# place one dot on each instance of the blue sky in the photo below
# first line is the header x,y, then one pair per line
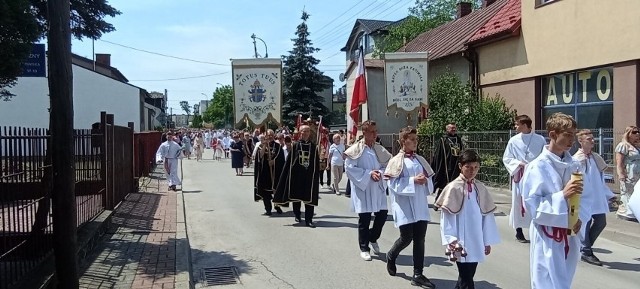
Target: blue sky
x,y
216,31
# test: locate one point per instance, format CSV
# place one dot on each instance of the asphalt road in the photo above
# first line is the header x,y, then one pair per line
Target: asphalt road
x,y
226,228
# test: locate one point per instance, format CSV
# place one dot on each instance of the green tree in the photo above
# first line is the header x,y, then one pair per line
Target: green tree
x,y
302,79
423,16
450,100
186,107
220,110
23,22
197,121
18,29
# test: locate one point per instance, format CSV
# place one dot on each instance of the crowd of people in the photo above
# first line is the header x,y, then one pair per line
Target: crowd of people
x,y
289,169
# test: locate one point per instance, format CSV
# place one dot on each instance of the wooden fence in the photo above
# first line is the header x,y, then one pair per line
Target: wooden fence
x,y
104,173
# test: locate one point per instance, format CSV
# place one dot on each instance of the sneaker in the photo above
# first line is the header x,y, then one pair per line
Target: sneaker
x,y
365,256
337,192
375,248
591,259
422,281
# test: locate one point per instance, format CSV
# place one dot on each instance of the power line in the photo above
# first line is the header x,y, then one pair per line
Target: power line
x,y
329,34
334,19
164,55
183,78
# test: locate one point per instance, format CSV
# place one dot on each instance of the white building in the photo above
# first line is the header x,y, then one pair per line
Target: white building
x,y
104,89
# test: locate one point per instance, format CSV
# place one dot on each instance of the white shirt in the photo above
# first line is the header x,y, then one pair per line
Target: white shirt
x,y
470,228
336,151
408,200
367,195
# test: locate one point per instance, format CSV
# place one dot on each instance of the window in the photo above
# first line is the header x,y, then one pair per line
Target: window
x,y
585,95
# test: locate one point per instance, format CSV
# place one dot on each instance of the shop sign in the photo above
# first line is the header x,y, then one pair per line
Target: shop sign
x,y
588,86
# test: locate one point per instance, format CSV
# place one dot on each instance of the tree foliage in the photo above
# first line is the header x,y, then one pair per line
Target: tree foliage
x,y
302,79
450,100
423,16
186,107
220,110
197,121
23,22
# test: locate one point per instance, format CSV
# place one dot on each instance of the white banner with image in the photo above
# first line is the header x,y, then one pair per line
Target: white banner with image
x,y
257,87
406,80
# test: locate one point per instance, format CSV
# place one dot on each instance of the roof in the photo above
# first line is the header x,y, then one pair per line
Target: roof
x,y
506,22
369,26
368,63
87,63
451,37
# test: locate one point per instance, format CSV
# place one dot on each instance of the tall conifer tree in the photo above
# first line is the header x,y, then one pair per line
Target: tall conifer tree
x,y
302,80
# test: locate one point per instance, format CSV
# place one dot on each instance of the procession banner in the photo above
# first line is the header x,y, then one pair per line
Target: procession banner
x,y
406,80
257,87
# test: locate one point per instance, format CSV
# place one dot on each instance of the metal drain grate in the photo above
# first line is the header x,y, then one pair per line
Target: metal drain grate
x,y
216,276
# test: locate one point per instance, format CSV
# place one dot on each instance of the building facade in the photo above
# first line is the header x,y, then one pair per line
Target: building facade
x,y
571,56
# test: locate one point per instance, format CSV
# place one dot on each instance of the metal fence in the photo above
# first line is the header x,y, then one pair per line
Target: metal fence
x,y
145,145
104,175
491,145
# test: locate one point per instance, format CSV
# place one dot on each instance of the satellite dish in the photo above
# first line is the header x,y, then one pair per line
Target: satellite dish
x,y
341,76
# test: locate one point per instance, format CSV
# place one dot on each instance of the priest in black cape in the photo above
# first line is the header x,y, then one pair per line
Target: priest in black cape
x,y
269,163
445,160
299,182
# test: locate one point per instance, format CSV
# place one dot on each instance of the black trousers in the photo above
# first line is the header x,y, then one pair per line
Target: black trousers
x,y
266,199
466,271
368,235
328,177
347,191
414,232
308,211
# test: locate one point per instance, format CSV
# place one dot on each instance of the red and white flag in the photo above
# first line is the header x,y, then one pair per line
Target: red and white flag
x,y
358,97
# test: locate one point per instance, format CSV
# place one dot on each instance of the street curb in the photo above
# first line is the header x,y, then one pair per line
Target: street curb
x,y
183,248
619,231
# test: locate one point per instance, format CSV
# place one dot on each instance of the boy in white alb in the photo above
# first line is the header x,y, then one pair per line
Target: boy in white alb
x,y
546,188
467,219
521,149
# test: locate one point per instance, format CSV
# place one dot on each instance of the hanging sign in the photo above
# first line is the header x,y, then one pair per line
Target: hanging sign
x,y
257,87
406,80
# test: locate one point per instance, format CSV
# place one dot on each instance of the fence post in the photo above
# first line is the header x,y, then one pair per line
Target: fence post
x,y
110,162
103,157
134,157
600,141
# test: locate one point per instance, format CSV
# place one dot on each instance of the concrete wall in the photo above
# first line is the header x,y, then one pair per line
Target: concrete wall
x,y
563,36
626,91
520,94
453,63
92,93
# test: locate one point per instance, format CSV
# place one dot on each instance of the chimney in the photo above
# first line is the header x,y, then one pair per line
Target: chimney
x,y
103,59
486,3
464,8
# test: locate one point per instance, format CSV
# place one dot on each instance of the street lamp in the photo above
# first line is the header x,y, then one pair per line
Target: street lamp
x,y
255,50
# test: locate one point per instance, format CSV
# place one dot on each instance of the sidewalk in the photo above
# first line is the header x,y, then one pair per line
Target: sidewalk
x,y
617,230
139,249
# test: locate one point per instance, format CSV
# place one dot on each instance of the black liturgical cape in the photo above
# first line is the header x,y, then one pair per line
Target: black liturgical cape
x,y
300,180
265,176
445,160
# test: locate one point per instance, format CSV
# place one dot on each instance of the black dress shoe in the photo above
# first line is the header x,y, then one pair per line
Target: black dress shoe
x,y
521,238
422,281
311,225
267,213
591,259
298,220
278,210
391,266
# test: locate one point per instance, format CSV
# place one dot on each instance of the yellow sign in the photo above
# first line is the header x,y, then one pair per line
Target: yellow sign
x,y
578,87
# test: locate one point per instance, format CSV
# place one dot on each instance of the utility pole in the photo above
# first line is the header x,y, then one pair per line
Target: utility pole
x,y
65,242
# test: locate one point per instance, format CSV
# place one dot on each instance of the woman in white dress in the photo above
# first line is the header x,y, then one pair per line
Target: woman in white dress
x,y
198,146
628,167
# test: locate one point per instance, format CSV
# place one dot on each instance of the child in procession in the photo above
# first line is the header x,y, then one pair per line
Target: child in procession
x,y
468,226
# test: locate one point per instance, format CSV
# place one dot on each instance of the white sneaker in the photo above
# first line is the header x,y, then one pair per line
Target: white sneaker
x,y
375,248
365,256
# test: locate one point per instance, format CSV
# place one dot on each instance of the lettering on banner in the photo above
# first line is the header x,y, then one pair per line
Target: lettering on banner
x,y
406,84
578,87
257,92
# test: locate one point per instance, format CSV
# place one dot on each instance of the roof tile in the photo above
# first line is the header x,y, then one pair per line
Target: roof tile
x,y
507,19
